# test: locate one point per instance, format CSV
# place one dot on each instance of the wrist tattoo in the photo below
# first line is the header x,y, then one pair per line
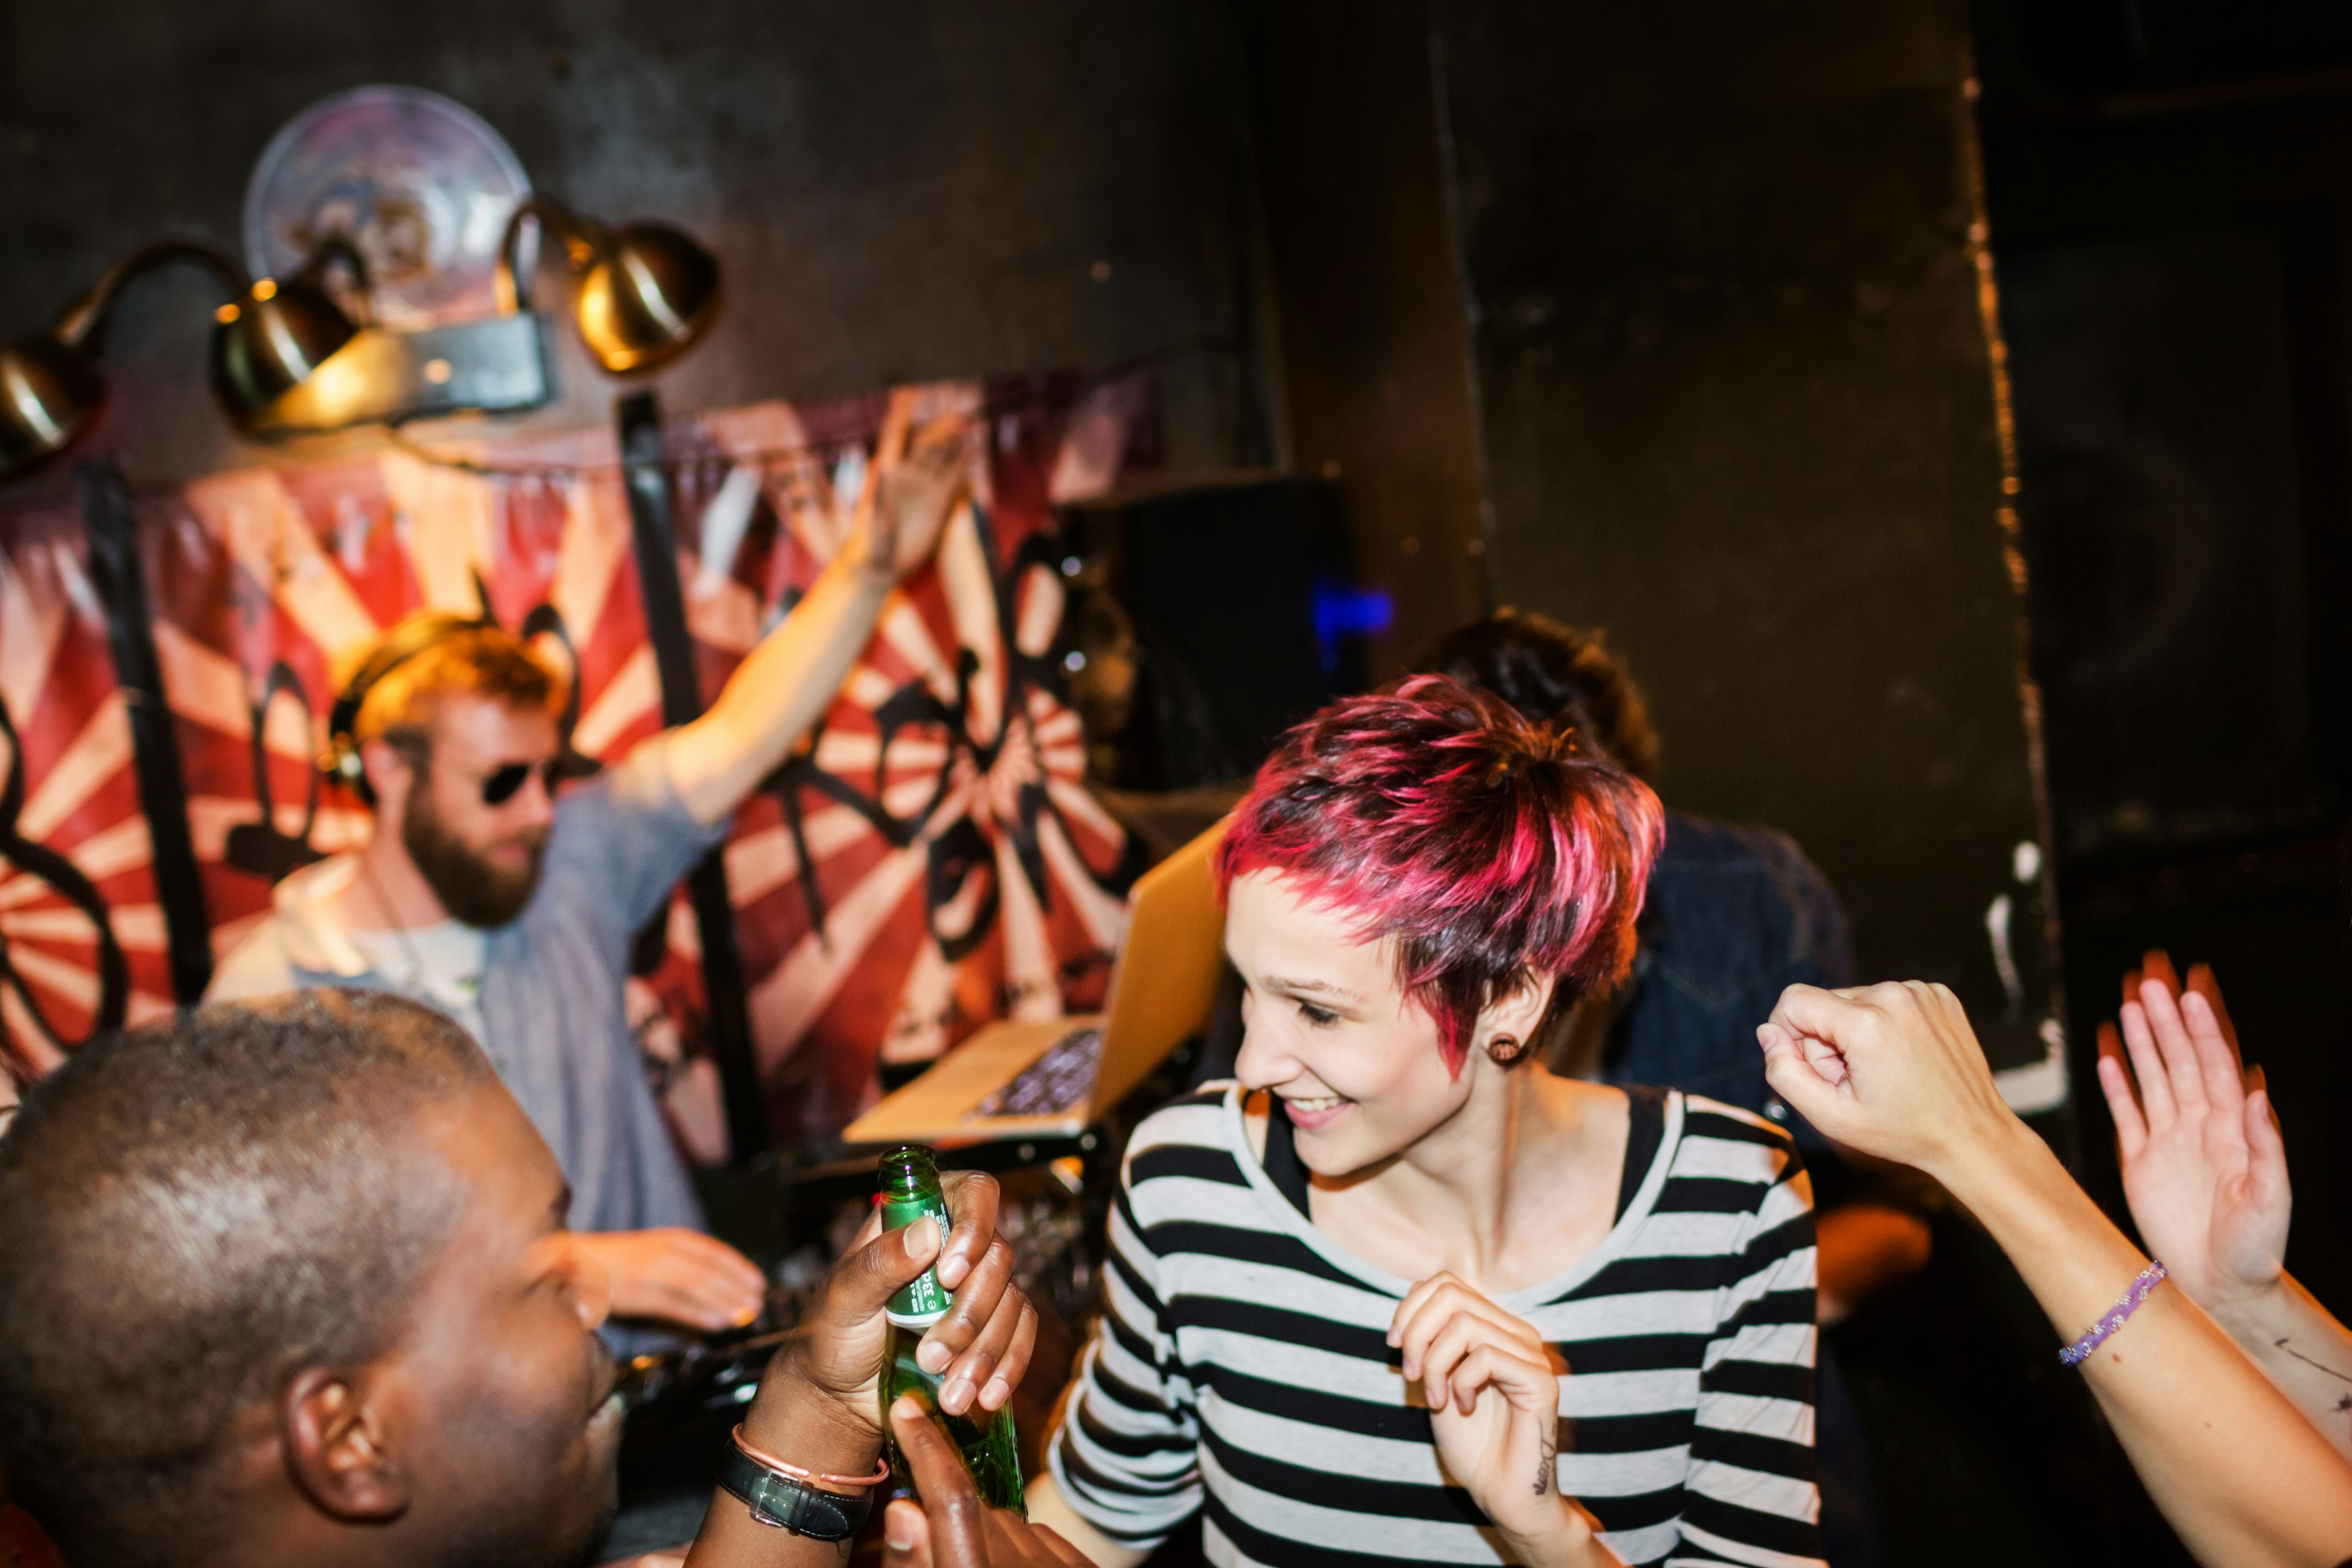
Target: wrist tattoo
x,y
1548,1467
2287,1345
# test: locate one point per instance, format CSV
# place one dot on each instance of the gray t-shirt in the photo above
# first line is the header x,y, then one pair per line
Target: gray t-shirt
x,y
551,1014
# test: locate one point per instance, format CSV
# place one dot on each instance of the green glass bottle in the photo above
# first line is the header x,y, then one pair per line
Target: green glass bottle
x,y
911,1189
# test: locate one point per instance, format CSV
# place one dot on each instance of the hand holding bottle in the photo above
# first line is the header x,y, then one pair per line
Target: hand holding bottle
x,y
981,1347
819,1406
952,1527
908,1185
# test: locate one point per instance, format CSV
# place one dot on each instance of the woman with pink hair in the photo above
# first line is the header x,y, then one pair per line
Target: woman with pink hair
x,y
1399,1292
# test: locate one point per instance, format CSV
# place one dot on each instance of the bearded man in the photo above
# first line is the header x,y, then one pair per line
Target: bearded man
x,y
488,896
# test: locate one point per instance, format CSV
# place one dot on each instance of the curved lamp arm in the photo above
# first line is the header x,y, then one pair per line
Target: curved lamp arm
x,y
581,241
336,246
86,318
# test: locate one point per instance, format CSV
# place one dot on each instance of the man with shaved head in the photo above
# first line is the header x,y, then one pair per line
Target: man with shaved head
x,y
291,1283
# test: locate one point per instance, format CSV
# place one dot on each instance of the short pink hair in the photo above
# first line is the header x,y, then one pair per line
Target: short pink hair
x,y
1491,849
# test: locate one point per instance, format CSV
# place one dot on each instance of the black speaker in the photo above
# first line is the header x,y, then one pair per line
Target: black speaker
x,y
1205,620
2174,529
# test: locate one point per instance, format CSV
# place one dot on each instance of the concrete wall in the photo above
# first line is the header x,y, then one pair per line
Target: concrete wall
x,y
1739,409
1369,349
2176,268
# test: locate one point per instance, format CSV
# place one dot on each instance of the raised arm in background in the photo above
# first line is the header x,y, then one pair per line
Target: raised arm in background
x,y
2205,1173
1894,1070
784,685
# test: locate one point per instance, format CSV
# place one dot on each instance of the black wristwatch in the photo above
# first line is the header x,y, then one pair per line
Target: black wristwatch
x,y
790,1504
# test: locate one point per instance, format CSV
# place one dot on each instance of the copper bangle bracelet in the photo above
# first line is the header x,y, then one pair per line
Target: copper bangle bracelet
x,y
761,1457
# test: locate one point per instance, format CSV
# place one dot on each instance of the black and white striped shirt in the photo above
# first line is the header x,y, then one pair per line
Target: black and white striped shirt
x,y
1242,1366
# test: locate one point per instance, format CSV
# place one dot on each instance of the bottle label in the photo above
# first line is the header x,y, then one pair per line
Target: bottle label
x,y
920,1302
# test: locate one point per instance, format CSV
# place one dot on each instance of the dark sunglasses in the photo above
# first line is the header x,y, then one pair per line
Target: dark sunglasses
x,y
503,782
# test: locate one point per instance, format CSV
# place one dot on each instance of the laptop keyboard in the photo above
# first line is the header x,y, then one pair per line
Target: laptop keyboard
x,y
1056,1082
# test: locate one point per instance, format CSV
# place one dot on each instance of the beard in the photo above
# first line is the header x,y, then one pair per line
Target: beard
x,y
523,1538
564,1526
475,889
540,1491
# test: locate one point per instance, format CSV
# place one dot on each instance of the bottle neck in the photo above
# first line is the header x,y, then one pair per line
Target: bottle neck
x,y
909,1180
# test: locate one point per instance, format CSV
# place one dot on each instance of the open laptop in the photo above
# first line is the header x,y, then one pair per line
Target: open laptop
x,y
1052,1076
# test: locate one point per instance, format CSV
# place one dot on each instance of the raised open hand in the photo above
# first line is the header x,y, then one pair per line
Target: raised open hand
x,y
2203,1167
918,477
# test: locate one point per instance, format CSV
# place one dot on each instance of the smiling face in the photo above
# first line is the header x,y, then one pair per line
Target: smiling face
x,y
500,1394
1330,1030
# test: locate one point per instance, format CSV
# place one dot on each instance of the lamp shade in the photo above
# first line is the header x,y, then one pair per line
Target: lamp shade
x,y
49,385
48,391
272,341
272,336
647,292
650,295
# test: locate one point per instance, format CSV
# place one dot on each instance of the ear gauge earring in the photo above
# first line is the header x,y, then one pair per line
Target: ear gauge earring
x,y
1505,1051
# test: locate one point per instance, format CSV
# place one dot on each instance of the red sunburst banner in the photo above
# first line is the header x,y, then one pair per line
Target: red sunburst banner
x,y
929,862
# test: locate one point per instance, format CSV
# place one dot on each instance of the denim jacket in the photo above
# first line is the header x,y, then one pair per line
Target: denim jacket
x,y
1735,915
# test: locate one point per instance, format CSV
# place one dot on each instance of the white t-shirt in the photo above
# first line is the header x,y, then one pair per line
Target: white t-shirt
x,y
441,964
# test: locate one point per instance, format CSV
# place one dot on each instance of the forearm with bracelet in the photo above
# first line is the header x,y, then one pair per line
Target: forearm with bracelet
x,y
780,1494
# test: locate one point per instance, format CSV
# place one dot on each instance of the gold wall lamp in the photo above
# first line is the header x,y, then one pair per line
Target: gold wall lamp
x,y
285,359
644,292
271,336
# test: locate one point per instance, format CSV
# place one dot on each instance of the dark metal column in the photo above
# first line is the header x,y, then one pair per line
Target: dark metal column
x,y
121,582
638,418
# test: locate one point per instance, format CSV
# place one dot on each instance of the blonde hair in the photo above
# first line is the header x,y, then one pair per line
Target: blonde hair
x,y
482,662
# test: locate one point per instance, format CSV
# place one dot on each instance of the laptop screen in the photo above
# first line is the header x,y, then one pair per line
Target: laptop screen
x,y
1165,983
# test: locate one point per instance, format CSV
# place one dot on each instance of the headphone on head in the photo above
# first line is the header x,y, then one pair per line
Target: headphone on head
x,y
416,635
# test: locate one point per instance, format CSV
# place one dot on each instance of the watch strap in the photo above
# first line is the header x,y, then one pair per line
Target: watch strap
x,y
788,1504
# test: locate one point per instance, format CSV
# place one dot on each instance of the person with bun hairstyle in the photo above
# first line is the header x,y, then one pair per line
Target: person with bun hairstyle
x,y
1400,1293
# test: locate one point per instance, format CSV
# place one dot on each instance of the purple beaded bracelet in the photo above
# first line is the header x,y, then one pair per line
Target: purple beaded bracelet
x,y
2080,1351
